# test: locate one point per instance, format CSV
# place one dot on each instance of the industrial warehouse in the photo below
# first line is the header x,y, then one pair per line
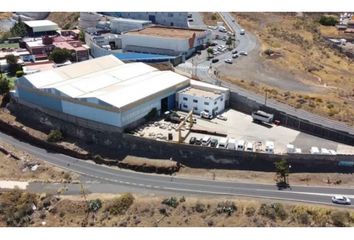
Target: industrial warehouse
x,y
106,91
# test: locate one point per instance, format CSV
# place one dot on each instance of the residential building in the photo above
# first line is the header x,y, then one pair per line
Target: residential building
x,y
199,98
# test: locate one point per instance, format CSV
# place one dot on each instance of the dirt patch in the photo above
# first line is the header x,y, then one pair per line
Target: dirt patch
x,y
21,166
171,211
149,165
301,179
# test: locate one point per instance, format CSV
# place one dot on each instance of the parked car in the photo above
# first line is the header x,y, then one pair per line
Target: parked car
x,y
198,140
223,143
206,141
221,117
213,142
234,51
242,32
339,199
190,20
206,115
249,147
229,61
173,117
192,140
213,43
240,146
243,53
215,60
234,55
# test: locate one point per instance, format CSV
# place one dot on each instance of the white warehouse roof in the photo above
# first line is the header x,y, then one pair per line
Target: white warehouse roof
x,y
42,25
109,80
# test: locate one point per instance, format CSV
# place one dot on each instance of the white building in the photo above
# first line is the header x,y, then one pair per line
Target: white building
x,y
103,90
202,97
165,40
41,27
173,19
119,25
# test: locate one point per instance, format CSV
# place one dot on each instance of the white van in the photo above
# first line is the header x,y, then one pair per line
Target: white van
x,y
290,148
324,151
240,145
232,144
223,142
314,150
269,147
205,141
249,147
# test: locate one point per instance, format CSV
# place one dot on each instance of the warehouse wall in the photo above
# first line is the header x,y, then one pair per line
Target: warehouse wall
x,y
91,113
174,44
39,99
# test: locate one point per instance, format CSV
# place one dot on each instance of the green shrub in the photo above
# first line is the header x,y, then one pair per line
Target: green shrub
x,y
267,211
19,74
55,136
95,205
4,85
328,21
121,204
226,207
172,202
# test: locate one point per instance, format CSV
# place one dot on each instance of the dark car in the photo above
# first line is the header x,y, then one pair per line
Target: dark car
x,y
198,141
282,185
213,142
215,60
234,51
192,140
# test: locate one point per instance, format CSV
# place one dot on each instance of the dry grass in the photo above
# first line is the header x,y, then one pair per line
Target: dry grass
x,y
190,212
301,45
66,20
5,15
12,169
211,18
305,179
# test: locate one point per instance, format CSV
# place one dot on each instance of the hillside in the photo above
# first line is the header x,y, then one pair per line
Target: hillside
x,y
65,20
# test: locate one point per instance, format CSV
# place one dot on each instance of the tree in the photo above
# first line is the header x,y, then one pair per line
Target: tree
x,y
4,85
282,171
210,52
59,55
19,29
229,42
82,36
13,65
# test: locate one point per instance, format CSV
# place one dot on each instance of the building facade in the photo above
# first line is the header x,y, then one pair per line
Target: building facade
x,y
119,25
172,19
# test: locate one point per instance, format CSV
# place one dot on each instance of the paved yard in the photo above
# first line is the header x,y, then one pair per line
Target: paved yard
x,y
240,126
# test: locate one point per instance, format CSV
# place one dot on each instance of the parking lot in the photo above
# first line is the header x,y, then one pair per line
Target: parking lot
x,y
240,126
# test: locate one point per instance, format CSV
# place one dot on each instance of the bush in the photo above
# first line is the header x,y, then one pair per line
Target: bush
x,y
226,207
340,218
121,204
59,55
182,199
16,207
19,74
328,21
303,218
172,202
250,211
4,85
199,207
95,205
55,136
269,52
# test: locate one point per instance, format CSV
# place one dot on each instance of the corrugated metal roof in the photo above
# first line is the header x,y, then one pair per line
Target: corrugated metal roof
x,y
109,80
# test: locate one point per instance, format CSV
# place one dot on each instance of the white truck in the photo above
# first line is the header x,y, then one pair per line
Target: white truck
x,y
260,116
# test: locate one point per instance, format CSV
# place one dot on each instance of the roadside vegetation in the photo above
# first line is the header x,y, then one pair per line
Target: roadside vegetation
x,y
297,45
19,208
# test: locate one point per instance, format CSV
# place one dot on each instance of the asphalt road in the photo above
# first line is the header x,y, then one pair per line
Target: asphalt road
x,y
103,179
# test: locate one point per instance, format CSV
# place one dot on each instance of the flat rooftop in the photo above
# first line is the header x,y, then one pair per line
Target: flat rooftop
x,y
200,93
75,45
40,23
169,32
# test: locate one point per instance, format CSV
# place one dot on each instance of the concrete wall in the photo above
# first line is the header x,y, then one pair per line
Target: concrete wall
x,y
177,19
190,155
247,105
